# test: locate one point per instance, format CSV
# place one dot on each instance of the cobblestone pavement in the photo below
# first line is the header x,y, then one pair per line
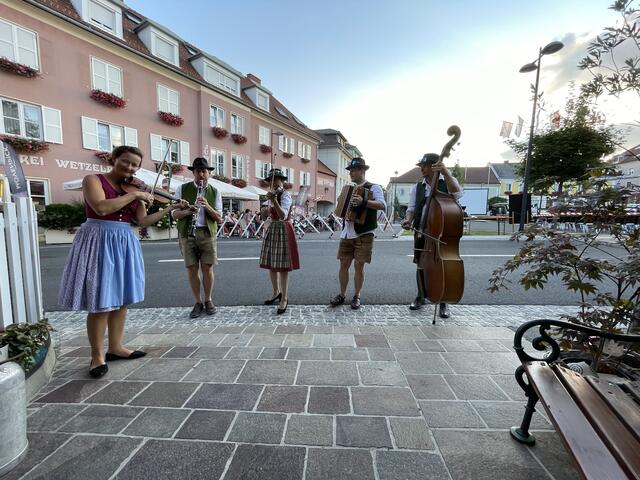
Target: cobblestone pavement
x,y
313,394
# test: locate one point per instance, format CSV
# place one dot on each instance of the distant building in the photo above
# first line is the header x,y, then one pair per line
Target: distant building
x,y
629,165
325,189
506,174
336,153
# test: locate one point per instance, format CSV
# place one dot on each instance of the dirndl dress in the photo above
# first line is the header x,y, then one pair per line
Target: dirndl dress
x,y
279,248
105,267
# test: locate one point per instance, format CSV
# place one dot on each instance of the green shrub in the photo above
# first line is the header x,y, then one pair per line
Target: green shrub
x,y
62,216
493,200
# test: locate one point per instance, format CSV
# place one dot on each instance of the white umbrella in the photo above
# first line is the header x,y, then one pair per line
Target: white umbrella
x,y
256,190
229,191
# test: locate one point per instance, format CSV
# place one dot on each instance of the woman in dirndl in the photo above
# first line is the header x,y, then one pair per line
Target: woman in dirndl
x,y
104,272
279,248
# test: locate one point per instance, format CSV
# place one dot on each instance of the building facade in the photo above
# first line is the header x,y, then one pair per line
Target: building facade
x,y
92,56
506,175
336,153
325,189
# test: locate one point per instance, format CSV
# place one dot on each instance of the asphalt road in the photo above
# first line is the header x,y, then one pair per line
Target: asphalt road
x,y
390,279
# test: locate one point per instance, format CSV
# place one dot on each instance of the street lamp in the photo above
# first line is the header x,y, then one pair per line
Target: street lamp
x,y
551,48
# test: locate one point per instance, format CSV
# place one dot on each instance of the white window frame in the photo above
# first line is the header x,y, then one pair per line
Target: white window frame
x,y
305,179
117,17
304,150
159,148
108,79
155,35
47,189
16,48
286,144
264,98
50,126
218,77
264,135
169,106
238,166
219,121
237,124
91,137
215,161
111,128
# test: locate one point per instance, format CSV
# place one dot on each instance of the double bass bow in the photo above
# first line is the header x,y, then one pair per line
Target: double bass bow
x,y
441,224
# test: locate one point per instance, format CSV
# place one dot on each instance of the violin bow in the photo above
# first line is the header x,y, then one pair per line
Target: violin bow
x,y
164,161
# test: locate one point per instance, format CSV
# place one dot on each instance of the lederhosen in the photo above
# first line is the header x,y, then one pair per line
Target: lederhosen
x,y
279,248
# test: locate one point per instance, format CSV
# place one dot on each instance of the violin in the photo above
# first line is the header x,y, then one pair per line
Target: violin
x,y
160,196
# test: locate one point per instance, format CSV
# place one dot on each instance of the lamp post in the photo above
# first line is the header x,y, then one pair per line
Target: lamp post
x,y
551,48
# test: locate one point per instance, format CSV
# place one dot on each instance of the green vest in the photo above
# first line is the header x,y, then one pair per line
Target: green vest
x,y
370,219
421,199
189,192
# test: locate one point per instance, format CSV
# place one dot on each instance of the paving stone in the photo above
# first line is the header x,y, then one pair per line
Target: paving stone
x,y
461,346
264,462
334,340
324,329
381,373
244,353
74,391
101,419
329,400
353,329
78,352
552,454
422,363
508,414
117,393
468,332
229,329
211,352
269,329
167,339
271,341
403,331
41,445
309,354
153,351
215,371
168,369
429,346
157,422
258,428
384,401
481,455
411,433
482,363
165,394
206,425
86,456
374,341
448,414
333,464
273,354
370,330
474,387
493,346
327,373
403,344
309,430
381,354
225,397
362,432
284,329
283,399
177,459
393,465
509,385
51,417
348,353
180,352
281,372
210,340
298,341
236,340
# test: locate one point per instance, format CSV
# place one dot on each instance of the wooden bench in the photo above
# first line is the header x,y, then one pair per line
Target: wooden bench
x,y
598,423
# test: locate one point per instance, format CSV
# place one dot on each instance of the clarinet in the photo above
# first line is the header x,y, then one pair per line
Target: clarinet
x,y
194,217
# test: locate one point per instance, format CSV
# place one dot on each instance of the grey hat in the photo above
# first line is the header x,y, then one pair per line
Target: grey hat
x,y
275,172
428,159
357,162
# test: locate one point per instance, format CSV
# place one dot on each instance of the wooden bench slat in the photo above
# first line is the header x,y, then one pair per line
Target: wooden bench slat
x,y
591,455
619,401
614,433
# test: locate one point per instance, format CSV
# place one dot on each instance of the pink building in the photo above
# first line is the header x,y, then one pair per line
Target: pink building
x,y
78,46
325,189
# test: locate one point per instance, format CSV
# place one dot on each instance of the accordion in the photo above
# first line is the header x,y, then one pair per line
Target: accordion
x,y
344,208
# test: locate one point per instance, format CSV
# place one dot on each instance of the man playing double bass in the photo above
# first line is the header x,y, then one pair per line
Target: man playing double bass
x,y
447,183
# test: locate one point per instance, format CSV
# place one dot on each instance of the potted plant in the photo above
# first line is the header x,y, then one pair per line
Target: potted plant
x,y
60,221
108,99
239,139
219,132
25,145
27,344
287,155
221,178
171,119
159,230
17,68
265,148
239,182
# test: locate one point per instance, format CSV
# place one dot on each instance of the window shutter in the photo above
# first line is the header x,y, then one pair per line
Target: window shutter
x,y
258,169
53,125
281,143
156,147
220,118
6,40
292,177
184,153
300,149
89,133
301,178
130,136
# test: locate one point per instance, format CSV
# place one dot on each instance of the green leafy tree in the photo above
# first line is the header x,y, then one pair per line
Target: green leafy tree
x,y
456,171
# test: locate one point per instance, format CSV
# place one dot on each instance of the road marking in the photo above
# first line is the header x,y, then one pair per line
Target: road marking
x,y
480,255
220,259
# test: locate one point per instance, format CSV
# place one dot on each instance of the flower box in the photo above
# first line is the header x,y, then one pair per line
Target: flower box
x,y
104,156
177,169
305,160
17,68
25,145
171,119
239,182
219,132
108,99
221,178
265,148
239,139
287,155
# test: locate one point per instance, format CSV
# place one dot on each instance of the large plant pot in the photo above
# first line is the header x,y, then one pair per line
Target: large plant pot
x,y
4,353
53,237
13,416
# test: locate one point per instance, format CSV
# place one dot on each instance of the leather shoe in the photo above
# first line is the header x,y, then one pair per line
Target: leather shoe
x,y
209,307
444,311
355,303
99,371
417,303
337,300
112,357
197,310
273,300
280,311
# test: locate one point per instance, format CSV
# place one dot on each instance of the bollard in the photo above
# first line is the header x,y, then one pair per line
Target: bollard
x,y
13,416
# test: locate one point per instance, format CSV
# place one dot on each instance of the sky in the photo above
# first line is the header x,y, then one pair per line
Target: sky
x,y
392,75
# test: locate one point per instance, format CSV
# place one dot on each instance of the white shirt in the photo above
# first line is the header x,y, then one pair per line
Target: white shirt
x,y
349,230
201,220
285,203
427,191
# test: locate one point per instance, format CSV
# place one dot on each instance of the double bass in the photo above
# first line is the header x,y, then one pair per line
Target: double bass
x,y
442,223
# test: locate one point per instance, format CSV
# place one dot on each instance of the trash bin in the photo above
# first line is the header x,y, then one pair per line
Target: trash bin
x,y
13,416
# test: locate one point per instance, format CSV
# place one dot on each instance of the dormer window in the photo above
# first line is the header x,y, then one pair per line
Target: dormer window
x,y
281,112
262,101
164,48
102,14
221,79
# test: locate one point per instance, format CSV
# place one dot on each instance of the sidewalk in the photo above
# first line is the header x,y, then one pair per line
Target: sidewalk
x,y
312,394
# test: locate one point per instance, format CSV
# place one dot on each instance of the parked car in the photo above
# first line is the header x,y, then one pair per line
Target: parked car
x,y
499,209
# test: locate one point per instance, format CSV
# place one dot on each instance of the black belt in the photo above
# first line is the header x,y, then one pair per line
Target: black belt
x,y
202,228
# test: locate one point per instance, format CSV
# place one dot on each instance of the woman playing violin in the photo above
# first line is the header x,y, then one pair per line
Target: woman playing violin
x,y
104,272
279,248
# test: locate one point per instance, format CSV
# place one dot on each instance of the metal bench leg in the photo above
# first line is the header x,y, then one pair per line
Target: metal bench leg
x,y
521,433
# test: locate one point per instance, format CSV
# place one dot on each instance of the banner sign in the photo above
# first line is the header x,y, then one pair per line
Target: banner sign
x,y
13,170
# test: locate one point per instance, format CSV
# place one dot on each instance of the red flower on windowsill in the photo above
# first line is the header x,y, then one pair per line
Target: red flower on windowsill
x,y
108,99
239,139
18,68
104,156
219,132
171,119
265,148
177,169
221,178
239,182
25,145
287,155
305,160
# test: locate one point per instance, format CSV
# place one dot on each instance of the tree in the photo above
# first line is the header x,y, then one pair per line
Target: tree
x,y
569,152
456,171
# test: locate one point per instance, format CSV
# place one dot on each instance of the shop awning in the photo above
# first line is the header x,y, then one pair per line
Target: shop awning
x,y
256,190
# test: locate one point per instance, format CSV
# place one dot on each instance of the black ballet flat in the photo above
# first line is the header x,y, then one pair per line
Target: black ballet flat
x,y
280,311
274,299
112,357
99,371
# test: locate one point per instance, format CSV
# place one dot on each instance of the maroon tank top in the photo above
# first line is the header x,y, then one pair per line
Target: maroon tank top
x,y
125,214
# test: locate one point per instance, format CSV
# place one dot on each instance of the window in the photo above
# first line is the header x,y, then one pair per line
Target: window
x,y
175,151
106,77
507,187
38,191
216,116
105,136
264,136
164,48
18,44
102,16
304,150
288,171
222,80
286,144
281,112
237,124
402,192
168,100
262,169
631,171
237,166
22,119
109,136
305,179
217,160
262,101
